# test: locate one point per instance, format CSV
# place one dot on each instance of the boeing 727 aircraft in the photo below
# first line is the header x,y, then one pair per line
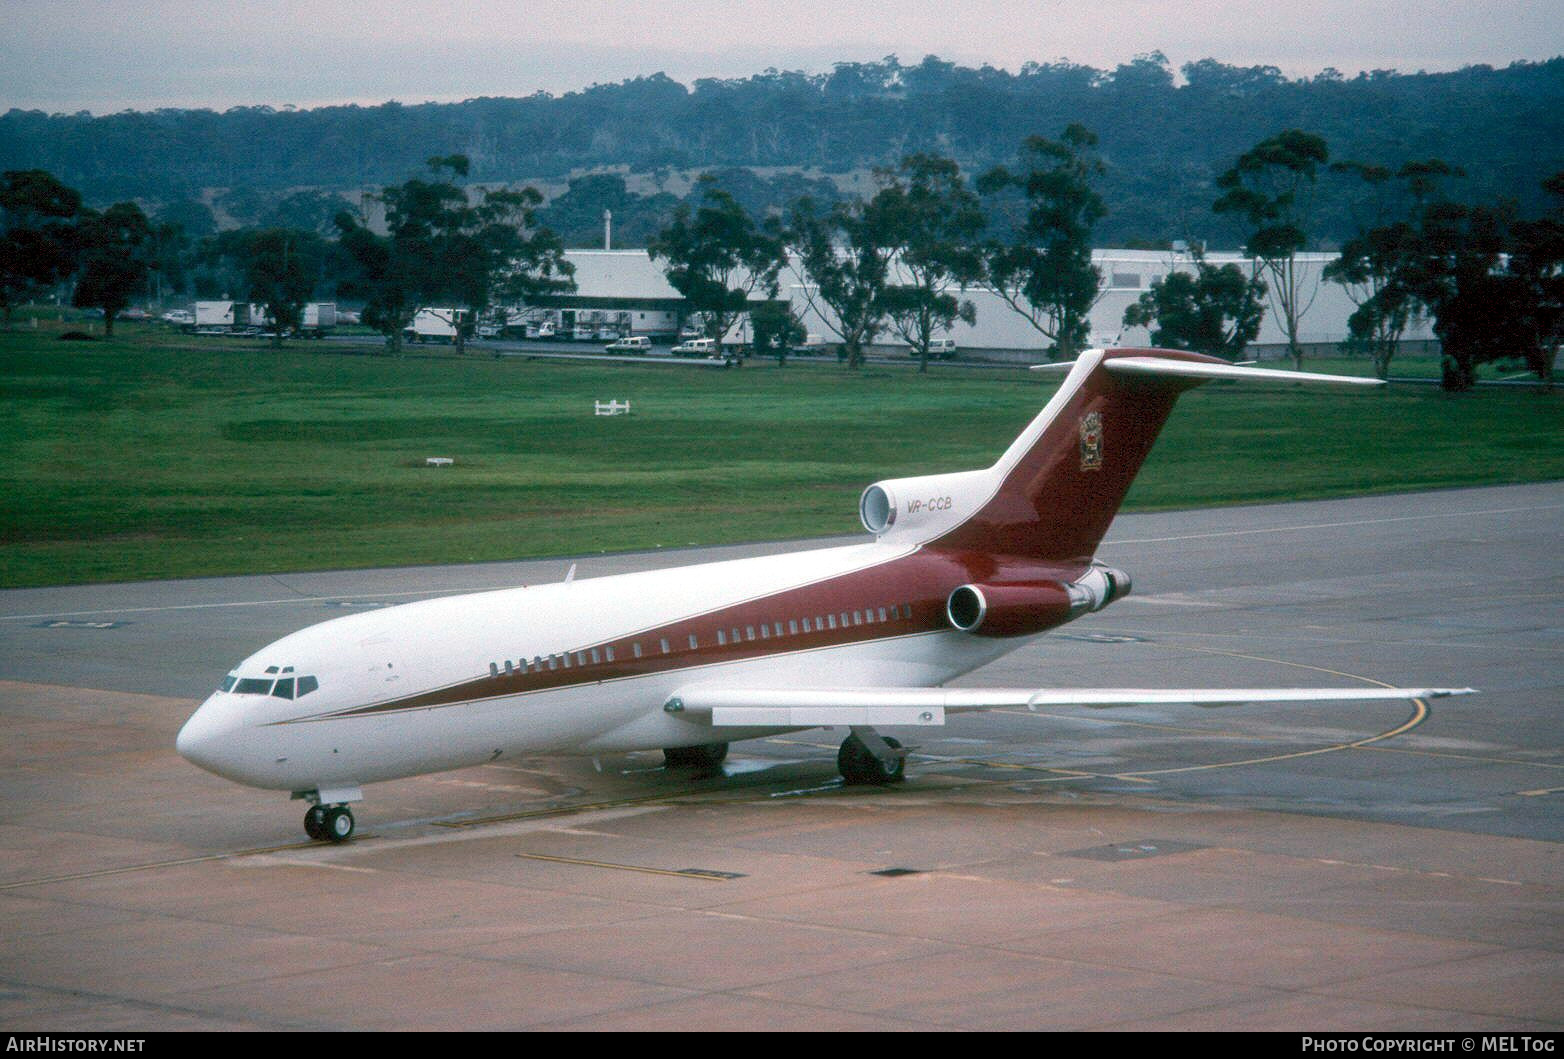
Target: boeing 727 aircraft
x,y
964,568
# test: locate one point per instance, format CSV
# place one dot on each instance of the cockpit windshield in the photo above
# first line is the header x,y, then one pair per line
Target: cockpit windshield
x,y
286,687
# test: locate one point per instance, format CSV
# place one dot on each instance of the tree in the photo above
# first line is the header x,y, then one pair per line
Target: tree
x,y
775,330
1270,188
1479,306
115,259
846,254
1046,273
1215,310
443,250
1372,263
718,257
1537,262
38,244
280,266
936,221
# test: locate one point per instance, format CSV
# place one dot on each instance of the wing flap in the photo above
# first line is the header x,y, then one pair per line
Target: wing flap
x,y
824,716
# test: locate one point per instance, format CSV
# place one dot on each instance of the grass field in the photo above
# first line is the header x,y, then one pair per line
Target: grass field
x,y
162,456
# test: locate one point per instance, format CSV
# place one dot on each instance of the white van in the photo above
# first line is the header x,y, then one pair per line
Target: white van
x,y
696,347
633,344
939,349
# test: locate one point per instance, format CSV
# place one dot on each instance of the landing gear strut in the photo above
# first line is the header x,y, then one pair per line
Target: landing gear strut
x,y
867,757
695,757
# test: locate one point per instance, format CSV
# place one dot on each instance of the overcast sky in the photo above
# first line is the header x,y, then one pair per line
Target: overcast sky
x,y
106,56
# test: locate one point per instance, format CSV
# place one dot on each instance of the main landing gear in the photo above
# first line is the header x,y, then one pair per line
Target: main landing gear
x,y
695,757
867,757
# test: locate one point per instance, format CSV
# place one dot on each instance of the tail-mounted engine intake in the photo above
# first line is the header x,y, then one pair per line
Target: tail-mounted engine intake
x,y
923,507
1019,608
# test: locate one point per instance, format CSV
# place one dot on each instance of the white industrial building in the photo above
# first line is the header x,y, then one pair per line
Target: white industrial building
x,y
627,285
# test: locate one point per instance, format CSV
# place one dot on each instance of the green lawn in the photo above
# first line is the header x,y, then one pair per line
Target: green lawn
x,y
162,456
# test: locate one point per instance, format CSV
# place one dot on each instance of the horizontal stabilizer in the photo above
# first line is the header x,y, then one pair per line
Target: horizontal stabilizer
x,y
1184,369
815,707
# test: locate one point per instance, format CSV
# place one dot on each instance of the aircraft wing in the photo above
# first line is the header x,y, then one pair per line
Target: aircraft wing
x,y
740,707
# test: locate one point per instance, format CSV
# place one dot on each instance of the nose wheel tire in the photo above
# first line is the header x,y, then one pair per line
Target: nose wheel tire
x,y
339,824
858,765
329,825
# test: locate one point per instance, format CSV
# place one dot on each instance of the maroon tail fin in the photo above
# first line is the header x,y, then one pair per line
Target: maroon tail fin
x,y
1059,485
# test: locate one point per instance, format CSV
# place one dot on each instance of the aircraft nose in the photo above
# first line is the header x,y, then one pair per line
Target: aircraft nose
x,y
203,739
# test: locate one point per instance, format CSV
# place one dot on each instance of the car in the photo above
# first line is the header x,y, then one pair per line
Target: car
x,y
489,330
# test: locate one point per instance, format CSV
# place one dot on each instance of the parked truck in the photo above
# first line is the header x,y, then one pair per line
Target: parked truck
x,y
249,318
221,318
435,325
317,319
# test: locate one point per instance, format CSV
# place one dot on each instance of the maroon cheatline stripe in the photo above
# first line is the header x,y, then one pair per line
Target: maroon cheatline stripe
x,y
920,582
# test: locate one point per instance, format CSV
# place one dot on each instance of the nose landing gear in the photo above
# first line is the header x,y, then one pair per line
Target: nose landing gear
x,y
334,824
329,819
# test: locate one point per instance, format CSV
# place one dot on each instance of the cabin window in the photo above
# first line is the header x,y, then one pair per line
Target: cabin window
x,y
283,688
306,685
494,670
253,686
693,643
882,613
765,632
635,648
807,627
832,619
722,638
609,651
665,645
906,611
229,681
271,669
857,617
749,632
792,627
566,658
596,658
